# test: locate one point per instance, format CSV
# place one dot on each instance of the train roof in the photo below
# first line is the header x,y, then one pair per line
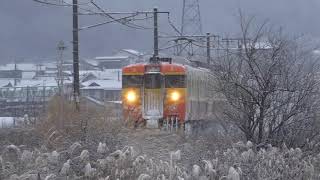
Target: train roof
x,y
165,68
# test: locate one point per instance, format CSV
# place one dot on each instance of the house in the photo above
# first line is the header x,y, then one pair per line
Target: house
x,y
133,55
107,62
7,82
102,90
120,59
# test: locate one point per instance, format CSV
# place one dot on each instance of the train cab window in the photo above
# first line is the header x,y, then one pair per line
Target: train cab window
x,y
175,81
152,81
132,81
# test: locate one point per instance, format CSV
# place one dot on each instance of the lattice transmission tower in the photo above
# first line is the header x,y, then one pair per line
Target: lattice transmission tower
x,y
191,19
191,29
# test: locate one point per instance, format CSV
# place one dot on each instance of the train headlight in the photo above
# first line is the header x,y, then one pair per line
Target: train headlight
x,y
175,96
131,96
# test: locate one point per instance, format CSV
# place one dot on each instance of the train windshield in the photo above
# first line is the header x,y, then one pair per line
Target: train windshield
x,y
152,81
175,81
132,81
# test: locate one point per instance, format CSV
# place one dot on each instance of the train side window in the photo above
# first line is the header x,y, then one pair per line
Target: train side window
x,y
175,81
190,79
132,81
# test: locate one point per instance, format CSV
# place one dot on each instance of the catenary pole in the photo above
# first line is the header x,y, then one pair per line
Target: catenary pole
x,y
75,42
155,32
208,48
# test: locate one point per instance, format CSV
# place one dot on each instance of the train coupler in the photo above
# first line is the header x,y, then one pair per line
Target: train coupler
x,y
171,123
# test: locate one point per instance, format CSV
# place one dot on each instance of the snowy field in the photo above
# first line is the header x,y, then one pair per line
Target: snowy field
x,y
153,155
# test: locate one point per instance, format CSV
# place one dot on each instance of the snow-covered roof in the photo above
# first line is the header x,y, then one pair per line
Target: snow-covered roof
x,y
50,65
97,60
111,57
105,74
4,82
102,84
133,52
36,83
24,67
92,62
316,52
28,66
28,75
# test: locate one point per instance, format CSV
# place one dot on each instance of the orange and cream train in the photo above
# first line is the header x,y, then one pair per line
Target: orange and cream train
x,y
165,94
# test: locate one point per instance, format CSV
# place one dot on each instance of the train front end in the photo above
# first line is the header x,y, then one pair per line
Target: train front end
x,y
154,95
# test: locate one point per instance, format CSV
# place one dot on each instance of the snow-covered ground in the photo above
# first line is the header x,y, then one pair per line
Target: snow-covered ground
x,y
99,161
6,122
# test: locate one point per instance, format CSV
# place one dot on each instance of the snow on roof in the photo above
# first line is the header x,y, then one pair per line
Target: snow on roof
x,y
50,64
4,82
316,52
97,60
131,51
83,76
92,62
30,83
28,66
24,67
28,75
111,57
105,74
102,84
36,83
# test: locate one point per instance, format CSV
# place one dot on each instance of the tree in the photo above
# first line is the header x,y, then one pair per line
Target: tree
x,y
270,86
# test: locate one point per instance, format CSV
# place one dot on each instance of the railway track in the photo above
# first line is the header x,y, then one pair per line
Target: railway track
x,y
154,142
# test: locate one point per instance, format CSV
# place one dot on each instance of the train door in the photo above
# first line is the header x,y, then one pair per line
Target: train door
x,y
153,96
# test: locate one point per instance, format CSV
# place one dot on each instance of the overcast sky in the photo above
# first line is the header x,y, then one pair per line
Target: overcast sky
x,y
32,30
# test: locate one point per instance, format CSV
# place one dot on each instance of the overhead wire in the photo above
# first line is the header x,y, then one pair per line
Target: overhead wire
x,y
169,47
119,20
135,26
123,20
111,17
103,23
173,26
105,14
58,2
81,8
50,3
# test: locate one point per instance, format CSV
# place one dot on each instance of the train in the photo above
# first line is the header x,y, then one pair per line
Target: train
x,y
163,94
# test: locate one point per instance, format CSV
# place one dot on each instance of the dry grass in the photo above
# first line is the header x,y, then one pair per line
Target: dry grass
x,y
63,124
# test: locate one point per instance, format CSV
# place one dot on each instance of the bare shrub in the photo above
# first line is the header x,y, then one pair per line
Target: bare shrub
x,y
270,86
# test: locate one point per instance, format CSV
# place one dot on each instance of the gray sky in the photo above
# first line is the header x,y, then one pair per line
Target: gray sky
x,y
32,30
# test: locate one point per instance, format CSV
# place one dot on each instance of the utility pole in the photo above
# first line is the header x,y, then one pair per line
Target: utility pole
x,y
15,73
155,32
61,47
208,49
76,82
